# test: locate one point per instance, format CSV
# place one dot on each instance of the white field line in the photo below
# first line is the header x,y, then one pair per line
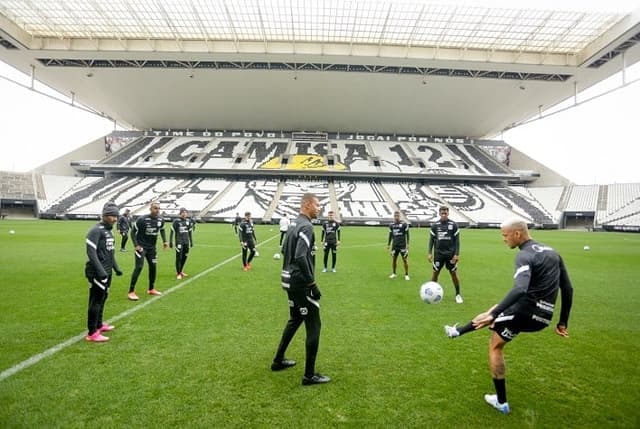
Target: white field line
x,y
71,341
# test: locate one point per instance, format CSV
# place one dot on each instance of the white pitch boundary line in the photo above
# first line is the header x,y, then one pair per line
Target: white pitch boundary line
x,y
71,341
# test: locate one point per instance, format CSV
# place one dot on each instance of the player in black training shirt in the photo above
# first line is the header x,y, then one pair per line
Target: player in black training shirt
x,y
298,280
124,223
528,307
182,227
144,235
101,261
236,223
398,243
331,240
444,249
248,241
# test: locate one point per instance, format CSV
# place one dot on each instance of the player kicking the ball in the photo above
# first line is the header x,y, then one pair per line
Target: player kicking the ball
x,y
528,307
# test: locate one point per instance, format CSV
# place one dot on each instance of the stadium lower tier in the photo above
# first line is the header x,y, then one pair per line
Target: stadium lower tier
x,y
355,202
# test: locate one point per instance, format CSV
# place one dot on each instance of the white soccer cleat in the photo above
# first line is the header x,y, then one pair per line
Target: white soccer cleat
x,y
393,276
493,401
324,270
459,299
451,331
406,277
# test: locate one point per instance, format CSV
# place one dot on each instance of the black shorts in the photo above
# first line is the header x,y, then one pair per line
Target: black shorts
x,y
509,324
440,261
182,248
331,247
402,251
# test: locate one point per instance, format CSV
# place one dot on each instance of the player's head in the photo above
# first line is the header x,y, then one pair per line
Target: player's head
x,y
247,215
309,205
330,214
444,212
110,213
396,216
514,232
126,212
154,209
183,212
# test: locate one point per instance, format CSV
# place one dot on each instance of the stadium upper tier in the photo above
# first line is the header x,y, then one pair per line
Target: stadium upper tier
x,y
425,156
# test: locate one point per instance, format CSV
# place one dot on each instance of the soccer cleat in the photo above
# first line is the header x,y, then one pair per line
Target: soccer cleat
x,y
451,331
459,299
106,327
132,296
406,277
333,270
245,268
393,275
154,291
324,270
179,276
315,379
183,274
493,401
248,265
96,337
282,364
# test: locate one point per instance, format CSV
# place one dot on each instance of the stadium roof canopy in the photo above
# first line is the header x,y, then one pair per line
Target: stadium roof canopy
x,y
448,68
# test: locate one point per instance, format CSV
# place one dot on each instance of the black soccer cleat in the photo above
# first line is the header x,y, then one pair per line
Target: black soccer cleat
x,y
282,364
315,379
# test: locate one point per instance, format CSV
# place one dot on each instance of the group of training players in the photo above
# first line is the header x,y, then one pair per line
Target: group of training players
x,y
100,245
540,275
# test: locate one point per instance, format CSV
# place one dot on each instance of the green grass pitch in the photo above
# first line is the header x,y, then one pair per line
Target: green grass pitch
x,y
199,356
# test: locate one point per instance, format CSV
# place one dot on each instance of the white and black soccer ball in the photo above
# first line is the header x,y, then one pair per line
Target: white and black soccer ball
x,y
276,256
431,292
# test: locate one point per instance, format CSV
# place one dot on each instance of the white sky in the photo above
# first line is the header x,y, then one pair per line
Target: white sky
x,y
595,142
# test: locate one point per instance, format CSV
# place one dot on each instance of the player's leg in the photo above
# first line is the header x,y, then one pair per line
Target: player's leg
x,y
405,262
312,326
96,299
334,257
252,252
498,370
105,295
325,257
437,267
290,329
394,262
185,255
123,243
152,259
244,256
139,263
178,259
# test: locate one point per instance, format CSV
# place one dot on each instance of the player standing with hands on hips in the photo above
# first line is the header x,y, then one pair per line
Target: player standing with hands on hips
x,y
144,235
444,249
101,262
398,243
183,229
528,307
298,280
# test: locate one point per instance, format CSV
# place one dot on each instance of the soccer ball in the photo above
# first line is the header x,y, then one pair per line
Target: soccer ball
x,y
587,248
431,292
276,256
12,232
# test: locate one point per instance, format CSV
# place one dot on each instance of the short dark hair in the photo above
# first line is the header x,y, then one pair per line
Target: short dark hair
x,y
247,213
444,209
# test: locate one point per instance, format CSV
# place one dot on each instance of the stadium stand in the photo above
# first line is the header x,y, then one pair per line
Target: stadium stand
x,y
218,176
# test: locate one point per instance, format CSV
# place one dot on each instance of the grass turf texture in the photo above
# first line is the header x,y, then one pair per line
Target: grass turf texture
x,y
200,356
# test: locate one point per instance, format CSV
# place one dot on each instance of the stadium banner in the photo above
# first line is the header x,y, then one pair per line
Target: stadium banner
x,y
308,135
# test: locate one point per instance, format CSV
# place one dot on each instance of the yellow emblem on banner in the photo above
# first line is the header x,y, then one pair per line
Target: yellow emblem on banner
x,y
302,162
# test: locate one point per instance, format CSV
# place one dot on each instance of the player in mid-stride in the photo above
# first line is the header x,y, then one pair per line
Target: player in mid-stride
x,y
528,307
398,243
248,241
144,235
444,249
100,264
